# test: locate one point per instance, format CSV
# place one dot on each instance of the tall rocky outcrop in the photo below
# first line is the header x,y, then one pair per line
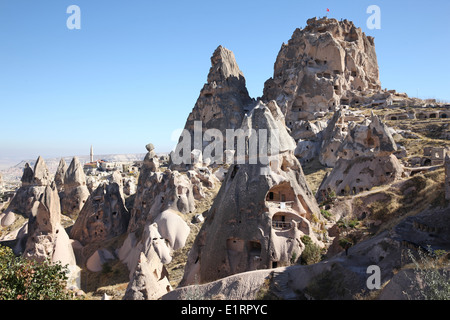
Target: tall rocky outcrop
x,y
46,236
103,216
327,64
261,211
159,191
223,101
60,175
146,258
75,191
33,185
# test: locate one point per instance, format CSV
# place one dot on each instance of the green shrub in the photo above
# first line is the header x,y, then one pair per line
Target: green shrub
x,y
311,254
306,240
23,279
326,214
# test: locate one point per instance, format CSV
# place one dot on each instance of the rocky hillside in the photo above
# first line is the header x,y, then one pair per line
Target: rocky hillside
x,y
359,181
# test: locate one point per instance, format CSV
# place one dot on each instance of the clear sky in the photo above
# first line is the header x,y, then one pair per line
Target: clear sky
x,y
132,73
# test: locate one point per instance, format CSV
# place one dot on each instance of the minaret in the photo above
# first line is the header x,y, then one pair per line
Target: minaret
x,y
92,154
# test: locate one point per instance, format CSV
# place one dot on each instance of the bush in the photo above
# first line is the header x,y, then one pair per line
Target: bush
x,y
326,214
432,271
23,279
312,253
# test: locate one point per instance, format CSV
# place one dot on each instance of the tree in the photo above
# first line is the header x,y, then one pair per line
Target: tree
x,y
24,279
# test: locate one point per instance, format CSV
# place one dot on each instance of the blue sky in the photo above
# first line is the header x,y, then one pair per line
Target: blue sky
x,y
134,70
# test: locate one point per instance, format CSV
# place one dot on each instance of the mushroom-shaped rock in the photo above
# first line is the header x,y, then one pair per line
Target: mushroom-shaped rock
x,y
173,228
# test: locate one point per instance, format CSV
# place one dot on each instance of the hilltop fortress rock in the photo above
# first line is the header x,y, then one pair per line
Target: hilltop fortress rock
x,y
327,64
260,213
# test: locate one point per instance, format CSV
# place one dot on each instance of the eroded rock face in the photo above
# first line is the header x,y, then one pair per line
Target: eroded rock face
x,y
173,228
260,213
333,137
60,174
103,217
41,174
75,190
150,280
370,138
145,258
32,188
223,100
159,191
327,64
46,237
365,160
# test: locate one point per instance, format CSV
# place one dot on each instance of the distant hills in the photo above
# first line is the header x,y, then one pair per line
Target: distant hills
x,y
14,173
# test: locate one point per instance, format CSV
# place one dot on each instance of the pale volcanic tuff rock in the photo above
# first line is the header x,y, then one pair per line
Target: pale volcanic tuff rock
x,y
365,160
46,236
75,191
259,214
103,217
145,258
41,174
159,191
223,100
33,186
327,64
332,138
60,174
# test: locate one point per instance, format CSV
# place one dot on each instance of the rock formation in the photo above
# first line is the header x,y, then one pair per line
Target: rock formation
x,y
46,236
328,64
261,211
145,259
308,136
41,174
223,100
75,190
103,217
60,174
33,186
332,138
365,160
159,191
173,228
27,177
149,280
